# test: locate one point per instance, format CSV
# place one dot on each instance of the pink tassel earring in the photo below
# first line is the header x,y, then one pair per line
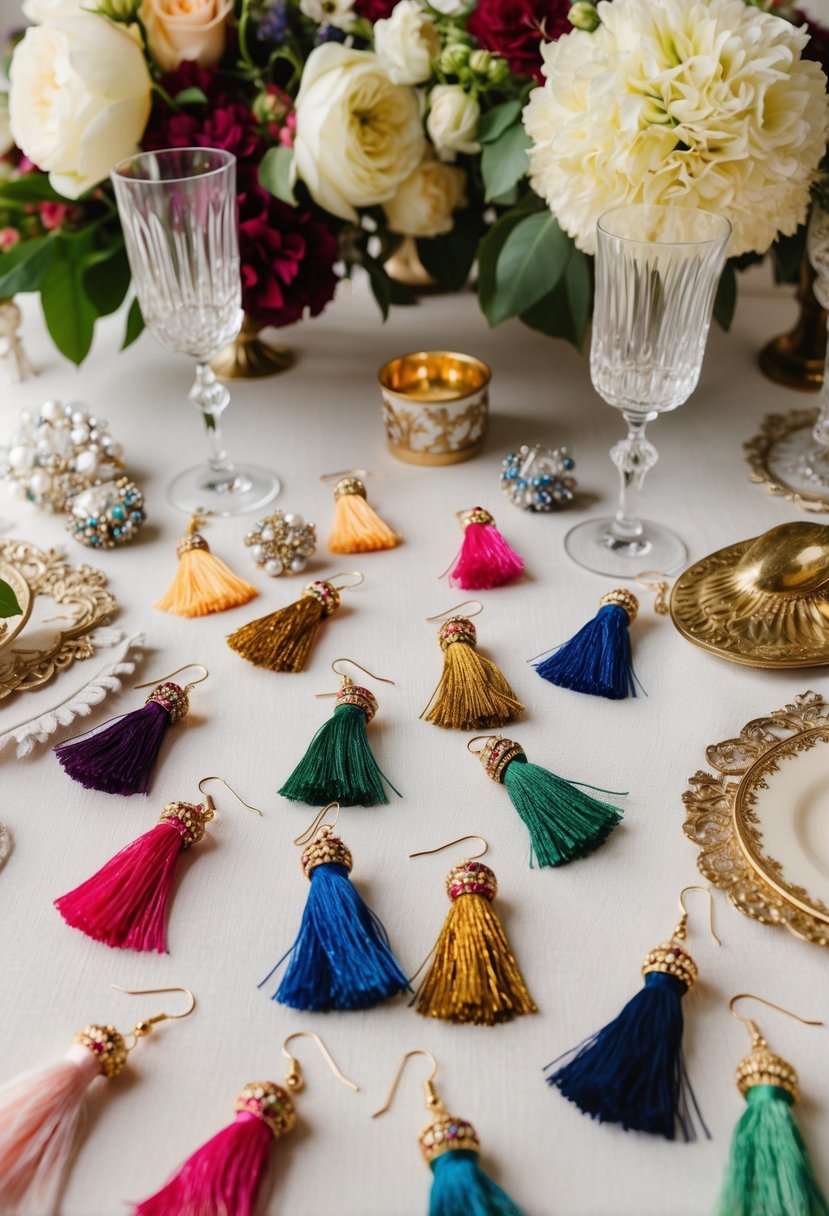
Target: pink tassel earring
x,y
485,559
125,903
40,1111
225,1175
119,758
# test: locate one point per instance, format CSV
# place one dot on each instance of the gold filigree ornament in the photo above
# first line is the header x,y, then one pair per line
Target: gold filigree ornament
x,y
764,450
763,602
761,819
83,604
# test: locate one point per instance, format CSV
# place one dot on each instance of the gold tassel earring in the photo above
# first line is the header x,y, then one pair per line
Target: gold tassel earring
x,y
472,693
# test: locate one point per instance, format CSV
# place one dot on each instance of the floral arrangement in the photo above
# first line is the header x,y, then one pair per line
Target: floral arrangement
x,y
493,133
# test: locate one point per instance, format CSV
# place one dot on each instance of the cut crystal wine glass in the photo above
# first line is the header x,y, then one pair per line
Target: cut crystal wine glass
x,y
657,269
178,214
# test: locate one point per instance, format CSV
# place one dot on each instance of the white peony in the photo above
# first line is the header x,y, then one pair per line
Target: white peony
x,y
79,99
339,13
426,202
358,135
453,120
701,103
406,43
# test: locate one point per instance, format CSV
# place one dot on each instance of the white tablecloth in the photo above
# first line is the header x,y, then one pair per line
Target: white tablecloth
x,y
579,932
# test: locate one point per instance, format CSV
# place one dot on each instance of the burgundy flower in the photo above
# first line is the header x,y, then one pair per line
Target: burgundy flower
x,y
515,29
817,47
374,10
287,256
230,127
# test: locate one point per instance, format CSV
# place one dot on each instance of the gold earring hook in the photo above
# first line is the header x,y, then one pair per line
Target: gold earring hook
x,y
145,1026
433,1100
751,1025
450,611
682,924
317,825
359,666
294,1078
350,473
361,578
475,739
211,806
192,684
448,845
657,582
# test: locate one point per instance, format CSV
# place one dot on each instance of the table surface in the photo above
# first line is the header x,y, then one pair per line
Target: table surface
x,y
579,932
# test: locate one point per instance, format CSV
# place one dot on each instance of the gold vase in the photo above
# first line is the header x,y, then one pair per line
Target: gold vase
x,y
249,357
796,359
405,266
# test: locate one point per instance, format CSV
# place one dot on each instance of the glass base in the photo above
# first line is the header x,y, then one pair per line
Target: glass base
x,y
200,488
799,463
592,546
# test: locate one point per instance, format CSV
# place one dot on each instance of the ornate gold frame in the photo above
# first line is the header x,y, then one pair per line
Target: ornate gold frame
x,y
719,818
774,428
77,589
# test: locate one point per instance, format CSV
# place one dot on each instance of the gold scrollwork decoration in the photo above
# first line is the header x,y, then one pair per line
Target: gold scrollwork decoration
x,y
774,429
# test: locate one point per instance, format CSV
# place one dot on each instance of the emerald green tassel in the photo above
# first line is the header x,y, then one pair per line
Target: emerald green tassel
x,y
338,765
563,820
769,1172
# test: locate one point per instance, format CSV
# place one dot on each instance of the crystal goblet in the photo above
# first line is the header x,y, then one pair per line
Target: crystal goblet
x,y
178,214
657,269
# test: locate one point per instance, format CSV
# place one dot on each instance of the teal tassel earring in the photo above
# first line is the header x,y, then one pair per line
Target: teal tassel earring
x,y
769,1172
597,659
450,1148
563,820
339,765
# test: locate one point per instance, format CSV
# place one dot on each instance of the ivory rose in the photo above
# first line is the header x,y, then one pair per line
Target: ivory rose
x,y
426,201
406,43
185,29
79,99
358,135
453,121
38,11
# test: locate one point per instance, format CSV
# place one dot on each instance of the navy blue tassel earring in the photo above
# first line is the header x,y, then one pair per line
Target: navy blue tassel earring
x,y
450,1148
341,958
598,659
632,1071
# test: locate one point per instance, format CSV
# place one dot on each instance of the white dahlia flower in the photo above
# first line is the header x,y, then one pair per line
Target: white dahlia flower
x,y
702,103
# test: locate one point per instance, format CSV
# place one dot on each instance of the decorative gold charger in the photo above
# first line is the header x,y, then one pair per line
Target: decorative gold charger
x,y
772,437
82,604
11,626
761,821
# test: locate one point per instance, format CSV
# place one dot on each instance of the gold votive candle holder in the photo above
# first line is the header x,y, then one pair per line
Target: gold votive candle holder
x,y
435,406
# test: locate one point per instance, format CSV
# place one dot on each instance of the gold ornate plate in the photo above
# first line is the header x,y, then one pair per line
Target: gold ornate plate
x,y
761,821
82,604
11,626
770,443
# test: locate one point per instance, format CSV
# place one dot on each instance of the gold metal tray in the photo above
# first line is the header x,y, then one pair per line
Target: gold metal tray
x,y
775,430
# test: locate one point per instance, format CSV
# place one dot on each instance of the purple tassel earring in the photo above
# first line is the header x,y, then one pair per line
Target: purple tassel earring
x,y
119,757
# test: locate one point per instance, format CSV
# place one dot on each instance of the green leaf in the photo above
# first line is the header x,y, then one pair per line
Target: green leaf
x,y
552,315
31,188
726,299
504,161
275,174
787,253
25,266
8,601
578,280
190,97
106,279
490,249
135,325
449,258
495,121
530,265
70,314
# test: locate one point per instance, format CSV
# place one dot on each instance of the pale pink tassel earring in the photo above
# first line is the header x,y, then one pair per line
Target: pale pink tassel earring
x,y
40,1111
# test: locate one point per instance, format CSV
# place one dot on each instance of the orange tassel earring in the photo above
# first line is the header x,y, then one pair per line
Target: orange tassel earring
x,y
203,583
357,528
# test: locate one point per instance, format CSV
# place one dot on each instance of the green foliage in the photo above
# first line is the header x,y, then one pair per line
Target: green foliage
x,y
26,265
31,188
385,290
725,301
106,278
190,97
504,160
8,601
134,326
70,314
565,311
275,174
529,264
450,258
495,121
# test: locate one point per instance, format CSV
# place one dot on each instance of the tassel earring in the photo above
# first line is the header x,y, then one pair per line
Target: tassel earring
x,y
632,1071
451,1149
282,641
357,528
41,1110
474,977
119,758
769,1172
339,764
564,822
472,694
341,958
125,903
225,1175
597,659
485,559
203,583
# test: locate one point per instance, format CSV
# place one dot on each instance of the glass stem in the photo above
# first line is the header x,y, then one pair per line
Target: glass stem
x,y
820,431
212,398
633,456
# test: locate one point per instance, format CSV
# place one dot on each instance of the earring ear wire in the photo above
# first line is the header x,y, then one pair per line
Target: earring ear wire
x,y
211,805
294,1078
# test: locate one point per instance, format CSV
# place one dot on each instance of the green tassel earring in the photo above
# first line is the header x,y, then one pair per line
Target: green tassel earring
x,y
339,765
769,1171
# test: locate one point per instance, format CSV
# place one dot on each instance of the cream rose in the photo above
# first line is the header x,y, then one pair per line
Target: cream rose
x,y
453,121
426,201
358,136
406,43
38,11
339,13
79,99
185,29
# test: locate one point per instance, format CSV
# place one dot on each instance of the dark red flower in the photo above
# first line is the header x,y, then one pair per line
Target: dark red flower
x,y
374,10
230,127
817,47
515,29
287,256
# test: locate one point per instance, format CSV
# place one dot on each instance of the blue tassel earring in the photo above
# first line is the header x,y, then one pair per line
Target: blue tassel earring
x,y
632,1071
597,659
450,1148
341,958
